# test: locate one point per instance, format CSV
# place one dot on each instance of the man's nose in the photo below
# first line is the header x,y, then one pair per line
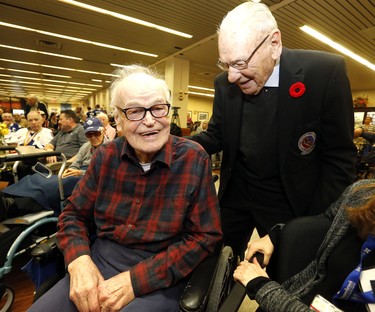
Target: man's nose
x,y
148,117
233,74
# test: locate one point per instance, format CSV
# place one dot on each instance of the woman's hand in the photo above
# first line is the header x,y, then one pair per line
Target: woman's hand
x,y
246,271
262,245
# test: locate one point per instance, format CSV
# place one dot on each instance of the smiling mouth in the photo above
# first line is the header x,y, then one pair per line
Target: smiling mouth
x,y
146,134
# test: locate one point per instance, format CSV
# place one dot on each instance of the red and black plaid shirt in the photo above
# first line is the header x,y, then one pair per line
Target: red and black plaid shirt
x,y
171,210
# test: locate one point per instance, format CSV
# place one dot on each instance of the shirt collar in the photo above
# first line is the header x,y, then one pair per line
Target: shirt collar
x,y
273,80
163,156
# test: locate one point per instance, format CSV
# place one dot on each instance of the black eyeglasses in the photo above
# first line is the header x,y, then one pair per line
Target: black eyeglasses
x,y
240,64
138,113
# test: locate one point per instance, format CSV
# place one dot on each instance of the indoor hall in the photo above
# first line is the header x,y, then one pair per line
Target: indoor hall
x,y
66,53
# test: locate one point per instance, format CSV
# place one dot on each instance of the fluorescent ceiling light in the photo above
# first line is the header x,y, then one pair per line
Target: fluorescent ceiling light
x,y
52,80
40,52
201,88
33,72
127,18
201,94
104,45
57,67
317,35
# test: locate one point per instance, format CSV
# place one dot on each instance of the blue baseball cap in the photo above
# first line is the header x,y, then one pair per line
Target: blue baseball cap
x,y
93,125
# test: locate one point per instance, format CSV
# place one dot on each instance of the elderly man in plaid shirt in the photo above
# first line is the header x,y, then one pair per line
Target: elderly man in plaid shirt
x,y
152,201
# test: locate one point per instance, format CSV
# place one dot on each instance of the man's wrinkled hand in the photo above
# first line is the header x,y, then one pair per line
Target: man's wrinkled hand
x,y
84,280
262,245
116,292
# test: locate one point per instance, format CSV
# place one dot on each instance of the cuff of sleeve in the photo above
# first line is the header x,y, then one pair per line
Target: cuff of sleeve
x,y
255,285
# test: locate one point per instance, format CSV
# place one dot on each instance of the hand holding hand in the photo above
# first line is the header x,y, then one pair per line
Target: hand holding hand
x,y
246,271
262,245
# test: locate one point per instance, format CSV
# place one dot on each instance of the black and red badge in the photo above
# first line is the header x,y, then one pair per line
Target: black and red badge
x,y
306,143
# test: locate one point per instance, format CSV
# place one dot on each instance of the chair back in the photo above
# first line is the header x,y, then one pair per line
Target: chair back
x,y
300,240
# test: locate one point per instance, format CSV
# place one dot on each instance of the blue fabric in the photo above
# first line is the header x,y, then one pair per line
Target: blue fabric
x,y
349,289
44,191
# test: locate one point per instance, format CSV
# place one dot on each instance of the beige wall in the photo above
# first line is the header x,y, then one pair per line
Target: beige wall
x,y
198,104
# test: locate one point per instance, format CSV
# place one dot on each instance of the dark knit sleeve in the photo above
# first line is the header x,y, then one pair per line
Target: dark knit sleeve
x,y
255,284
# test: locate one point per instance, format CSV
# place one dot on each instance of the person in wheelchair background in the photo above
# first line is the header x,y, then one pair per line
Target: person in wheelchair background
x,y
151,198
336,267
35,193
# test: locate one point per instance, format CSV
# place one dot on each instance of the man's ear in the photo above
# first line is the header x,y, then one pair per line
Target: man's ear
x,y
276,44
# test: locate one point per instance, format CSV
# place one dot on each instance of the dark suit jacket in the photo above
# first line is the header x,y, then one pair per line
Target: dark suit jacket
x,y
41,107
314,180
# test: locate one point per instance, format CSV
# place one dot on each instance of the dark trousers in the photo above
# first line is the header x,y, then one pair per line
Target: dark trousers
x,y
112,259
243,209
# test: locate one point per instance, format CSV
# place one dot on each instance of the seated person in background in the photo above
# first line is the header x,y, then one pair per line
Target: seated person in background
x,y
53,123
20,120
34,134
353,227
34,193
12,126
110,132
360,132
152,200
70,137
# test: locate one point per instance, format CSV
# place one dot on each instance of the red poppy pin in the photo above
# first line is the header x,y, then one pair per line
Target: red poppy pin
x,y
297,89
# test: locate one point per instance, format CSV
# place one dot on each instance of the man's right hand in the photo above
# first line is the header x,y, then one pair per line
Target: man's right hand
x,y
84,280
70,172
262,245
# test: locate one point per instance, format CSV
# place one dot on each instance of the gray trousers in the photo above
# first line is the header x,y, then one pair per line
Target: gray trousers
x,y
112,259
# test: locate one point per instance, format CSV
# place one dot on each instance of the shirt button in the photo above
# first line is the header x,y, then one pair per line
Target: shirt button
x,y
129,226
137,201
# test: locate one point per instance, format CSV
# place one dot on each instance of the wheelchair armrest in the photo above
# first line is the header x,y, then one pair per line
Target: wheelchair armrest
x,y
195,295
46,250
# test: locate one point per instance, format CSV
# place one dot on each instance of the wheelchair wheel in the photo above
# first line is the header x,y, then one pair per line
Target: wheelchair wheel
x,y
222,281
7,298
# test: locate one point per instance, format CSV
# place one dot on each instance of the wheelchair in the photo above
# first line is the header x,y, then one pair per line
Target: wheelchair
x,y
40,226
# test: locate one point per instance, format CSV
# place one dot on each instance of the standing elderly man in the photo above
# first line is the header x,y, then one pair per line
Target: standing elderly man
x,y
70,137
153,202
34,135
33,104
286,150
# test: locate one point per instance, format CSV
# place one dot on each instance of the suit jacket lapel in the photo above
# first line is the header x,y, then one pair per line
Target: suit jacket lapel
x,y
290,73
234,118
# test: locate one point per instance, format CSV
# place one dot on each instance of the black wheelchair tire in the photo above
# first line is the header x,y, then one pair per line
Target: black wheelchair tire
x,y
7,298
222,281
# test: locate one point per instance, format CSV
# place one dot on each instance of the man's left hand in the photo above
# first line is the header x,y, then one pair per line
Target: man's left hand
x,y
116,292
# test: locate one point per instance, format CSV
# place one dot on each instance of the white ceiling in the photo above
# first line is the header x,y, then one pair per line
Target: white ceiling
x,y
349,22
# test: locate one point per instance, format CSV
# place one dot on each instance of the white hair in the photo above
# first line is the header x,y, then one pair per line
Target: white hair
x,y
249,16
125,72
